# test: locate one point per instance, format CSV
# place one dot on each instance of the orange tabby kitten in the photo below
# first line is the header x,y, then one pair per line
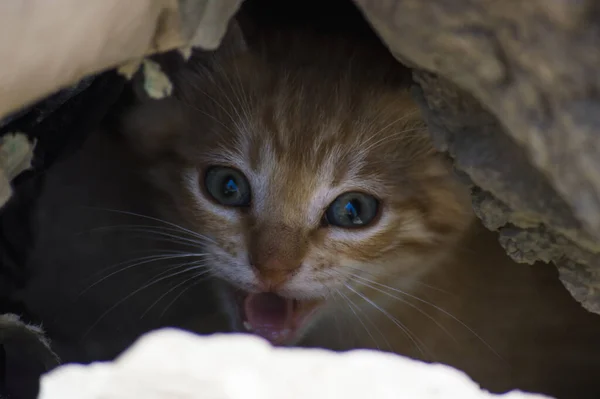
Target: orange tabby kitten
x,y
338,225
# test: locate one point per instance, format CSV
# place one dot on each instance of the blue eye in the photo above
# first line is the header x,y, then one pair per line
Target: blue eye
x,y
227,186
352,209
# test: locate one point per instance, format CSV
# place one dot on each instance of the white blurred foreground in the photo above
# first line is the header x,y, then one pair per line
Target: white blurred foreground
x,y
172,364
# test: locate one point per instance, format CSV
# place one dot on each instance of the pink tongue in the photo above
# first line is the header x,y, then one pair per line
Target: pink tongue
x,y
269,316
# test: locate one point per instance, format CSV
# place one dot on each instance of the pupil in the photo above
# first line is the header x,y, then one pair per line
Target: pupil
x,y
230,188
352,210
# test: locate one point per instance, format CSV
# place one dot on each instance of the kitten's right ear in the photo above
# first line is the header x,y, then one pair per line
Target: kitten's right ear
x,y
234,41
152,118
157,75
156,120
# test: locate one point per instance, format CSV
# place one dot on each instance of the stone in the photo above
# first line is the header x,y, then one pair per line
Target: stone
x,y
510,90
170,363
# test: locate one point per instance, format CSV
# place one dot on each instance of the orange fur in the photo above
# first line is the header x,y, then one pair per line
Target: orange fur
x,y
306,122
303,138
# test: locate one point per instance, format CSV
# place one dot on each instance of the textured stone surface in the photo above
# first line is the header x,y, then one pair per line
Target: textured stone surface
x,y
34,37
512,92
173,364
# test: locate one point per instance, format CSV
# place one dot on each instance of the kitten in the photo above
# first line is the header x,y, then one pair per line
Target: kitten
x,y
308,165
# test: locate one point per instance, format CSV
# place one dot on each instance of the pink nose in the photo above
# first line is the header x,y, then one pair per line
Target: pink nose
x,y
273,273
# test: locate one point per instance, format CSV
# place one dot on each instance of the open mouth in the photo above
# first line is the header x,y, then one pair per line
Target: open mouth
x,y
274,317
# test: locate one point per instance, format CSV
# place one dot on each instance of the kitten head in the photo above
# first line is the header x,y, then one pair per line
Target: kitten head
x,y
309,170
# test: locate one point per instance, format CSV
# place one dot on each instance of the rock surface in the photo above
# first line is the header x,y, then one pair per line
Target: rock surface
x,y
174,364
35,37
511,90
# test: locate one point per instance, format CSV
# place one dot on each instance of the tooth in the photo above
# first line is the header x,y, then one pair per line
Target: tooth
x,y
247,326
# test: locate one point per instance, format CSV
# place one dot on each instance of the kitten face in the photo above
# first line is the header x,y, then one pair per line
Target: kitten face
x,y
308,181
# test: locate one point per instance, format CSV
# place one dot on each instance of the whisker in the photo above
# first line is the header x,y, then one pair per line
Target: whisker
x,y
437,308
178,227
372,136
168,238
243,95
194,283
415,340
147,285
332,294
214,100
374,275
218,104
238,96
196,109
158,254
165,231
431,287
351,306
336,322
169,291
201,263
137,263
437,323
386,139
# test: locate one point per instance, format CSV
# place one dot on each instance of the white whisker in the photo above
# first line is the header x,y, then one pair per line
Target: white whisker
x,y
160,231
404,301
437,308
178,227
194,283
351,306
138,262
415,340
171,290
122,300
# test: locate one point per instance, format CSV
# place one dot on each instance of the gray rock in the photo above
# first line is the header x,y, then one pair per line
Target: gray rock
x,y
511,90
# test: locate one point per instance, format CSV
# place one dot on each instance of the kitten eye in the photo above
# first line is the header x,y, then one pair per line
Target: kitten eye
x,y
228,186
352,210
